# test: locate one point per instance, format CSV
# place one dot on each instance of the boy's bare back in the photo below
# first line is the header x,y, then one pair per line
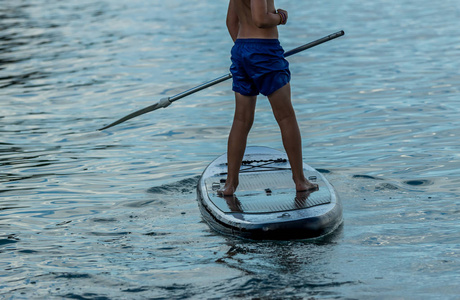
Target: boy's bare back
x,y
253,19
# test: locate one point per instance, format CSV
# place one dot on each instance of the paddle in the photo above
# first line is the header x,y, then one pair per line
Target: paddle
x,y
165,102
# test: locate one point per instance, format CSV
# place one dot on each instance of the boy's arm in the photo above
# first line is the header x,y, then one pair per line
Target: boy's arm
x,y
232,20
263,18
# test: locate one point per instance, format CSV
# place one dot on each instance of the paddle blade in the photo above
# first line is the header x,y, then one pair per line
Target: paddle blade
x,y
163,103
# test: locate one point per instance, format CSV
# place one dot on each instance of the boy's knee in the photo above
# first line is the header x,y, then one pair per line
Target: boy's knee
x,y
246,120
284,114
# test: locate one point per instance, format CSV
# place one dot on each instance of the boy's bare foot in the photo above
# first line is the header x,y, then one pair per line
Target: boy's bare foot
x,y
227,190
306,185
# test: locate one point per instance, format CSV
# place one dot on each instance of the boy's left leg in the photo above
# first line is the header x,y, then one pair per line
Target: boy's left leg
x,y
242,122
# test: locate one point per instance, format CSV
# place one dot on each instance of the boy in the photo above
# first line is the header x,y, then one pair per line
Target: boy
x,y
258,65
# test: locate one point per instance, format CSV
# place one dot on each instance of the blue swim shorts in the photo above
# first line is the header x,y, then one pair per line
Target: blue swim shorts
x,y
258,66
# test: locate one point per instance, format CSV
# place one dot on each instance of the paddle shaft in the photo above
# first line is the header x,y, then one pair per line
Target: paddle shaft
x,y
167,101
229,75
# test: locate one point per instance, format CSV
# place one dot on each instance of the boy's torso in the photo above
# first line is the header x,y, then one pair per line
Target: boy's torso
x,y
247,27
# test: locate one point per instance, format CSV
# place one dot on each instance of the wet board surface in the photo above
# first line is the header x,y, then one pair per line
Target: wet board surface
x,y
266,191
266,204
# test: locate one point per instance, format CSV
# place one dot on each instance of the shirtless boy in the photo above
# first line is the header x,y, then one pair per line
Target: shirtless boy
x,y
258,66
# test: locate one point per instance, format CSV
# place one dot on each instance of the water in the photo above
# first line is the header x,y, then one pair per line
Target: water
x,y
98,215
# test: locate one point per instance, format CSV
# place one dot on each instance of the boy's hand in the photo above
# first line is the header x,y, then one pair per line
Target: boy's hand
x,y
283,16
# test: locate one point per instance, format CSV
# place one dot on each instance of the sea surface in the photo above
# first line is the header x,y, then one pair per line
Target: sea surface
x,y
88,214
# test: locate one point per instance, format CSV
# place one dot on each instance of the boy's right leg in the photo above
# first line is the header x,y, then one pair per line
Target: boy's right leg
x,y
284,113
242,122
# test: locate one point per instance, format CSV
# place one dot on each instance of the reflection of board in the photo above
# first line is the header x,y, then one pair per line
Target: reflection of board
x,y
266,205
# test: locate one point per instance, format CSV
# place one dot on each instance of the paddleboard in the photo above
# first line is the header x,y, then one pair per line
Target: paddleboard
x,y
266,205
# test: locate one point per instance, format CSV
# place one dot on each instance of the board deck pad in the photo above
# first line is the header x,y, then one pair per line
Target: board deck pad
x,y
266,191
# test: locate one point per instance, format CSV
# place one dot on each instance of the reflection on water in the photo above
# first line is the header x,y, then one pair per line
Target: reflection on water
x,y
88,214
